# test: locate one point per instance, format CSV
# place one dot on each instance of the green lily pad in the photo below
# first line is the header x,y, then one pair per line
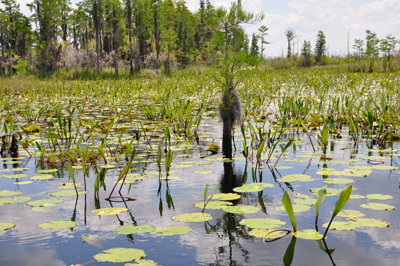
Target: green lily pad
x,y
14,169
23,182
295,178
296,208
109,211
340,225
107,166
172,230
142,263
70,185
357,196
203,172
67,193
131,229
77,167
329,172
361,167
241,209
283,167
225,196
120,255
4,201
384,167
57,225
183,165
8,193
308,234
378,206
305,201
338,181
170,177
378,197
260,233
329,191
44,202
213,205
350,214
366,222
14,176
192,217
48,171
45,209
253,187
262,223
356,173
42,177
6,226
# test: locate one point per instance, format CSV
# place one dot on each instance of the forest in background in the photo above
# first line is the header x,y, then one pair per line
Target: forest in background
x,y
129,35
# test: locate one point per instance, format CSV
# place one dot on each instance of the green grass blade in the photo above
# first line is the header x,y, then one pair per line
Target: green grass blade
x,y
287,204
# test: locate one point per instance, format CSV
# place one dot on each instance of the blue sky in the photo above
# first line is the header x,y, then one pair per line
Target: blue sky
x,y
306,17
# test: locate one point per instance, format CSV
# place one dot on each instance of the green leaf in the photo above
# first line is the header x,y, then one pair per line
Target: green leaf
x,y
260,233
205,193
71,171
44,202
131,229
213,205
350,214
262,223
203,172
287,204
109,211
308,234
57,225
42,177
14,176
378,197
253,187
172,230
289,254
295,178
241,209
296,208
321,194
192,217
142,263
7,193
378,206
343,198
225,196
6,226
120,255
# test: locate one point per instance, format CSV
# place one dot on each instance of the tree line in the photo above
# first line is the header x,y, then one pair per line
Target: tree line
x,y
142,33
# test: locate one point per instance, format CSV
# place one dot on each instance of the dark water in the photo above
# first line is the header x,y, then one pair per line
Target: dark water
x,y
221,241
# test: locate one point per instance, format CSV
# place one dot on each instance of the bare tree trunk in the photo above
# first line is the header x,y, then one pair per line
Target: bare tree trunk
x,y
129,7
115,45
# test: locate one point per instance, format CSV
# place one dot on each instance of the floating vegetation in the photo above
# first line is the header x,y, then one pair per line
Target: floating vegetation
x,y
377,206
6,226
131,229
172,230
192,217
44,202
120,255
57,225
109,211
253,187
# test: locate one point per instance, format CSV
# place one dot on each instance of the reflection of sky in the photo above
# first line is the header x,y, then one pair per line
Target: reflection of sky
x,y
64,247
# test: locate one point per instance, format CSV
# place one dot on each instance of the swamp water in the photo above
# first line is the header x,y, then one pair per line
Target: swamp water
x,y
223,240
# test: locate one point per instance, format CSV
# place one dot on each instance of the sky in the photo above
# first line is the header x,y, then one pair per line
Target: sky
x,y
336,18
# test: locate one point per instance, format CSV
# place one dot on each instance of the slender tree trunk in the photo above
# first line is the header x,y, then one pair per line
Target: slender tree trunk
x,y
115,45
129,7
156,37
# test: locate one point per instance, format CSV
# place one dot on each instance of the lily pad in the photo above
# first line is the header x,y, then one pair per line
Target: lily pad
x,y
253,187
183,165
142,263
203,172
366,222
109,211
44,202
23,183
305,201
8,193
260,233
131,229
357,196
192,217
242,209
42,177
308,234
120,255
213,205
375,158
295,178
6,226
384,167
329,191
46,171
338,180
341,225
350,214
283,167
70,185
14,176
67,193
107,166
303,196
378,206
329,172
57,225
356,173
378,197
225,196
172,230
296,208
262,223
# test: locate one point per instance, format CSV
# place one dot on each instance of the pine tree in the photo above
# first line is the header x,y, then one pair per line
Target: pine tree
x,y
320,47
